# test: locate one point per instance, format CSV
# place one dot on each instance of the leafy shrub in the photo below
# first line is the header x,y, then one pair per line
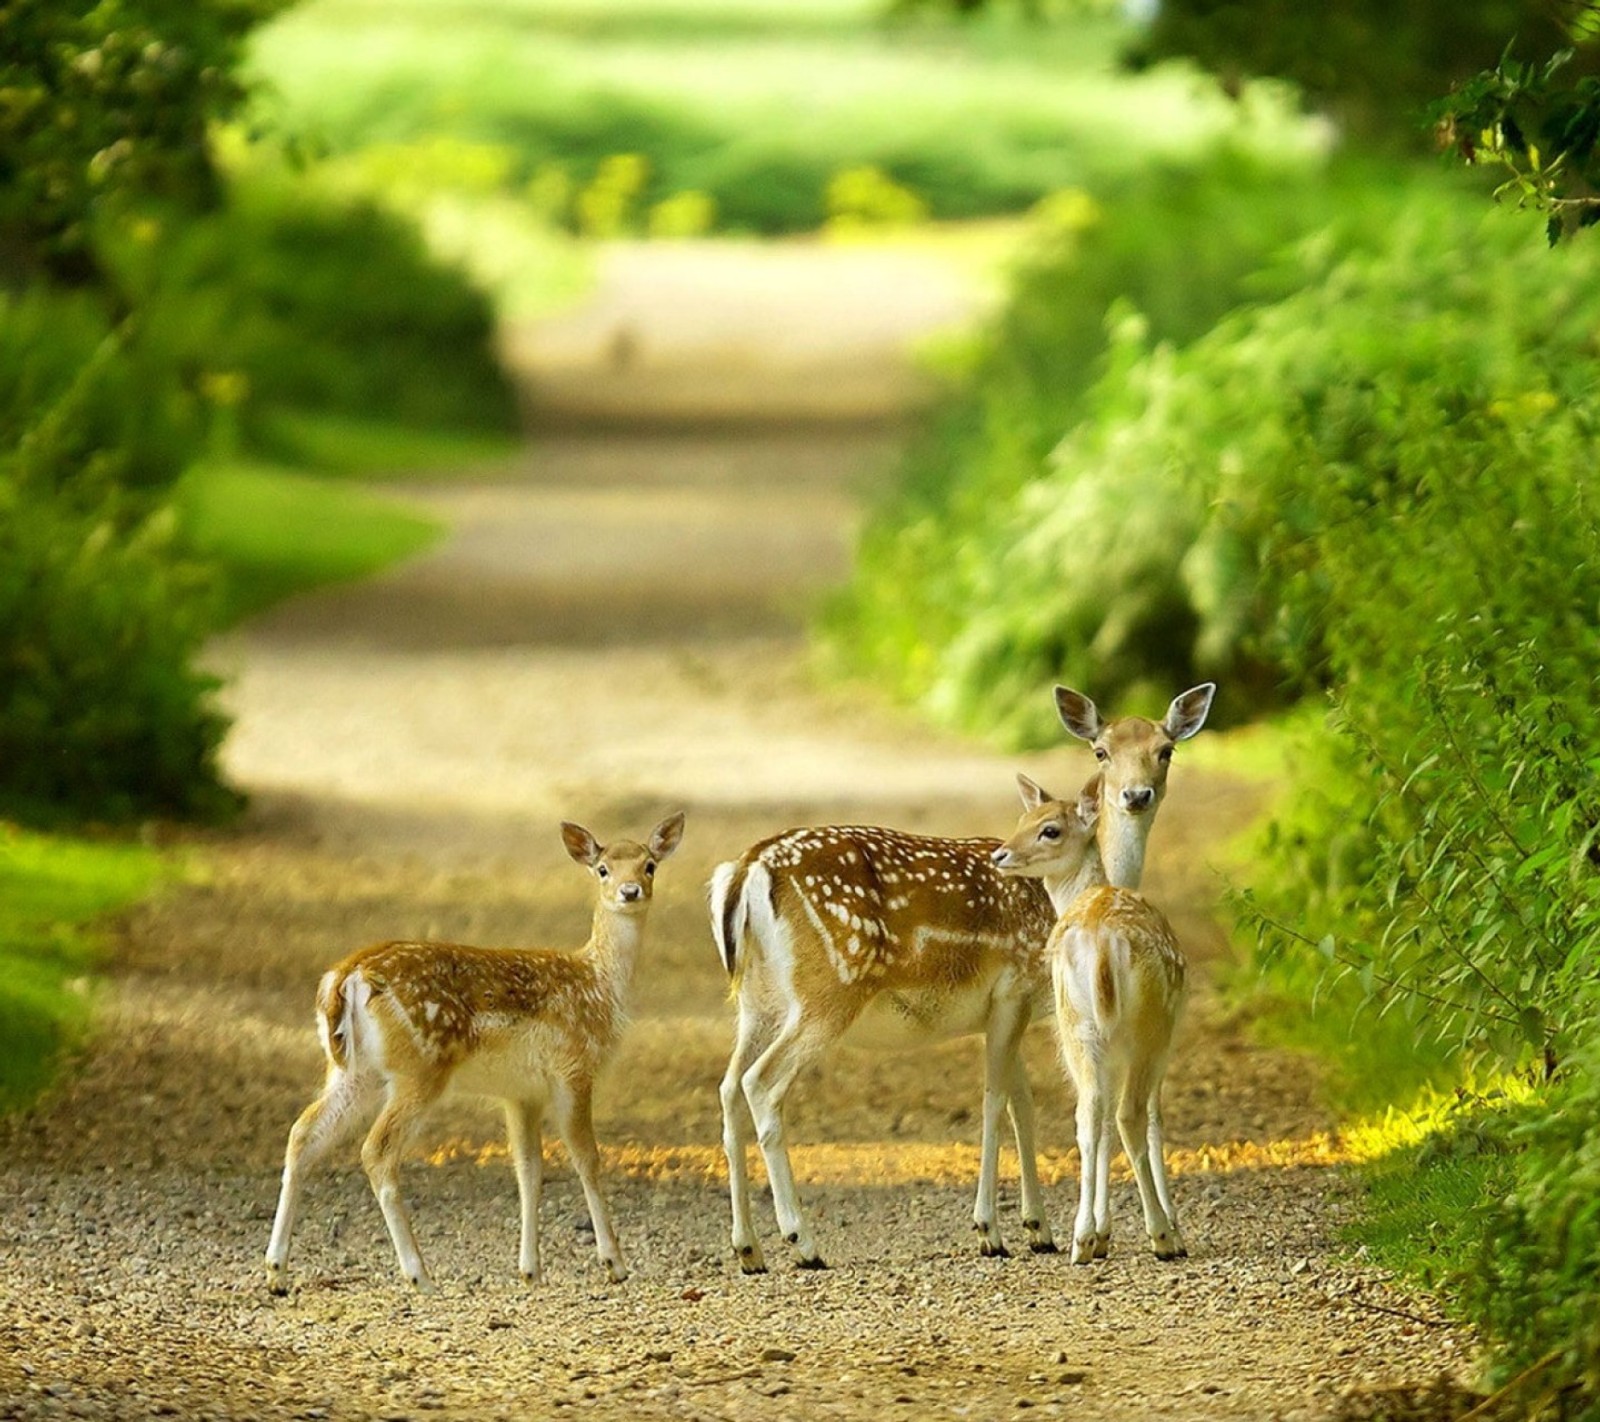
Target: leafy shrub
x,y
928,611
101,712
1535,1281
107,105
323,304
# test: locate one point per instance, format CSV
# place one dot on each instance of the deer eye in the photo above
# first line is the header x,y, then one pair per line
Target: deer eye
x,y
1050,832
1101,754
602,871
1164,755
650,869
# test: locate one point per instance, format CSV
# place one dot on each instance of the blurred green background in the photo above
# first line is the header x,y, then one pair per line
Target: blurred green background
x,y
1276,397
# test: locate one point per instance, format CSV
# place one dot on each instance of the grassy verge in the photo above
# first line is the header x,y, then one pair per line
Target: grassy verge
x,y
273,532
53,888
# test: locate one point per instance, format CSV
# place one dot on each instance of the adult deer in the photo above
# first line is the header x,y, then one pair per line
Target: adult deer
x,y
1118,979
406,1023
901,940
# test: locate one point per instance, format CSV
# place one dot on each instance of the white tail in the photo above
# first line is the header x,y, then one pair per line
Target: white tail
x,y
889,939
1118,978
403,1024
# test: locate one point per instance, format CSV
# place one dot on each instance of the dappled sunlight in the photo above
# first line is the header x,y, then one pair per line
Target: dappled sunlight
x,y
876,1164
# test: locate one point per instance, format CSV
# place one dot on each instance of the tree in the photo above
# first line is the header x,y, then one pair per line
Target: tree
x,y
103,104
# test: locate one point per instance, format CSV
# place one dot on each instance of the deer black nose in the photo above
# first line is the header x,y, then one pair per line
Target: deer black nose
x,y
999,856
1139,799
631,892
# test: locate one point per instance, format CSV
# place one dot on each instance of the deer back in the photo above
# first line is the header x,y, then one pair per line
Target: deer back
x,y
891,910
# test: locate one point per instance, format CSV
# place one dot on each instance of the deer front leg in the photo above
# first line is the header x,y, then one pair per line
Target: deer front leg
x,y
575,1121
527,1158
1019,1101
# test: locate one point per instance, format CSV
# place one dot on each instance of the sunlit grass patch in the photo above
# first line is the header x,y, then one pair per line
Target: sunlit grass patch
x,y
274,532
351,444
52,888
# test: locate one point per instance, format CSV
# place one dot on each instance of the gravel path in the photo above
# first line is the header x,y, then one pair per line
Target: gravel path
x,y
611,633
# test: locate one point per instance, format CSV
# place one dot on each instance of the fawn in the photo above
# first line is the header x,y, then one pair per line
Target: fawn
x,y
406,1023
1118,978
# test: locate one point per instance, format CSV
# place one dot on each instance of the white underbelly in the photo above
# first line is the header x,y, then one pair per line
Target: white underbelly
x,y
918,1017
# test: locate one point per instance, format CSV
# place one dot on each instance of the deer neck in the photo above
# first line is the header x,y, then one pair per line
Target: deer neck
x,y
1064,888
1121,839
614,941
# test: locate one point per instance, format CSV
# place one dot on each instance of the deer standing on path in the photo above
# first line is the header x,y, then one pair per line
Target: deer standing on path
x,y
1118,979
901,940
403,1024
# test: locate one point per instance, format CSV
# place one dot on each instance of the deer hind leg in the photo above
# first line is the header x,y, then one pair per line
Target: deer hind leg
x,y
766,1083
321,1126
575,1121
1138,1124
738,1131
527,1158
1156,1137
1001,1044
1102,1169
1087,1244
381,1154
1019,1103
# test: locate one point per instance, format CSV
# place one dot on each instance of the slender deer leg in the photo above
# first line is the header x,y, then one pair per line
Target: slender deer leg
x,y
1102,1170
575,1121
527,1158
319,1128
1019,1103
380,1156
1000,1049
1156,1136
738,1130
765,1085
1133,1124
1089,1111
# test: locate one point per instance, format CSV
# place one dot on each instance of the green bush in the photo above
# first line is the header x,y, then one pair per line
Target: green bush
x,y
929,610
102,716
1535,1280
320,304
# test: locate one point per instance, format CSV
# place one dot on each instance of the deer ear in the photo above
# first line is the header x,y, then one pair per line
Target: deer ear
x,y
1088,806
1187,714
664,838
1033,795
581,845
1078,714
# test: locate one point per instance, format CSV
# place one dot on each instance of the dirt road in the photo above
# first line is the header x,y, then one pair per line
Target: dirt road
x,y
610,633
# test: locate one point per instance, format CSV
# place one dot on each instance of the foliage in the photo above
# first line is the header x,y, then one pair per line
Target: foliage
x,y
50,887
930,609
1534,1281
320,303
1538,125
106,105
859,199
1377,66
757,104
102,714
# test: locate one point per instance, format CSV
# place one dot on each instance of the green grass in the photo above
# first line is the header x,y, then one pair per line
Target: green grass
x,y
757,102
52,888
274,532
354,445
